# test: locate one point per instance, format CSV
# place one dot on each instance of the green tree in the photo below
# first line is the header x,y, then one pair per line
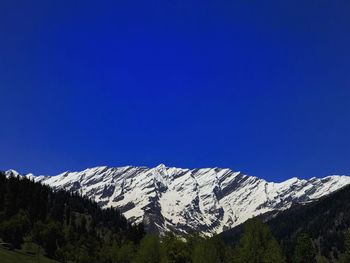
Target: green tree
x,y
126,252
347,242
321,259
345,258
117,254
257,245
82,256
210,250
66,253
109,253
3,181
149,250
14,229
49,236
11,197
304,251
174,250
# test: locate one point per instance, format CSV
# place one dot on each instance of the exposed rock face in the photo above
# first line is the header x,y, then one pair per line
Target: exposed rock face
x,y
183,200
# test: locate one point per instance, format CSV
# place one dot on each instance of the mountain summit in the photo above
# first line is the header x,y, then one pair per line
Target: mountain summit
x,y
207,200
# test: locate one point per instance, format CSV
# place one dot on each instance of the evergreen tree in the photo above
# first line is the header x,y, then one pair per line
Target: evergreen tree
x,y
126,253
321,259
14,229
108,254
304,251
49,236
210,250
174,250
149,250
11,197
2,193
347,242
257,245
345,258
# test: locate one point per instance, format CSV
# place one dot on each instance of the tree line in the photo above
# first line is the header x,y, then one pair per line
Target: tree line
x,y
256,245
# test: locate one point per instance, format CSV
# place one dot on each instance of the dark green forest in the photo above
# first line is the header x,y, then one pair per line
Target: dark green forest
x,y
322,226
63,226
67,227
326,223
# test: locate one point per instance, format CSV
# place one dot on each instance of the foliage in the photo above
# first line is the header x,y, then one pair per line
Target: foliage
x,y
325,221
15,228
209,250
321,259
347,242
257,245
149,250
304,251
345,257
174,249
62,225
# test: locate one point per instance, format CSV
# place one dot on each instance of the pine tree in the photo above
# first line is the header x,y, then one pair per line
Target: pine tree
x,y
174,250
2,191
14,229
49,236
149,250
126,253
345,258
257,245
11,197
211,250
321,259
347,242
304,251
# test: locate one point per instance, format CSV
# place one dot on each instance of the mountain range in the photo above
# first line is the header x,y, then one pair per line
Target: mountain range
x,y
206,200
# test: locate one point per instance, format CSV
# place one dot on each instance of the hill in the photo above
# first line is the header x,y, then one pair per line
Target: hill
x,y
59,224
325,221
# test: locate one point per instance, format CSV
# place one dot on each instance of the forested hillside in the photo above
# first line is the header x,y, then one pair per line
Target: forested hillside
x,y
321,228
326,222
59,224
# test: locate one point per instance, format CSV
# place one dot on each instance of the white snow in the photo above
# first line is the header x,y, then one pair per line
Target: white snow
x,y
209,200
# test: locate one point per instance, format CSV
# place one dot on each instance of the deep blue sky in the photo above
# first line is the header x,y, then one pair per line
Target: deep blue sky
x,y
258,86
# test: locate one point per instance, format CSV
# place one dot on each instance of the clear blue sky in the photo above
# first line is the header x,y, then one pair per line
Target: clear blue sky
x,y
257,86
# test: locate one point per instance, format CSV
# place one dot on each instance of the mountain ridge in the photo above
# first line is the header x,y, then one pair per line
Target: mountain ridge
x,y
205,200
325,221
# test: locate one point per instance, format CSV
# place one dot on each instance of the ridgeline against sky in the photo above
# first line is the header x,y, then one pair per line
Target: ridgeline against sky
x,y
258,87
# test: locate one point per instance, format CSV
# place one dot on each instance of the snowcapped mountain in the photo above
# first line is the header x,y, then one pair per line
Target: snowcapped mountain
x,y
208,200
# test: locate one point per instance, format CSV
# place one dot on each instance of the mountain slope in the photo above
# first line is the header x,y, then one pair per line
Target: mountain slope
x,y
58,224
324,220
208,200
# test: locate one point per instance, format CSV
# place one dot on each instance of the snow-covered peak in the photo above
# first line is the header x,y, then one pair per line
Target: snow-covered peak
x,y
208,200
161,166
11,172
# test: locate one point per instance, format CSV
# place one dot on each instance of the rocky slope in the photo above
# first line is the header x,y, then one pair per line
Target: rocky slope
x,y
207,200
